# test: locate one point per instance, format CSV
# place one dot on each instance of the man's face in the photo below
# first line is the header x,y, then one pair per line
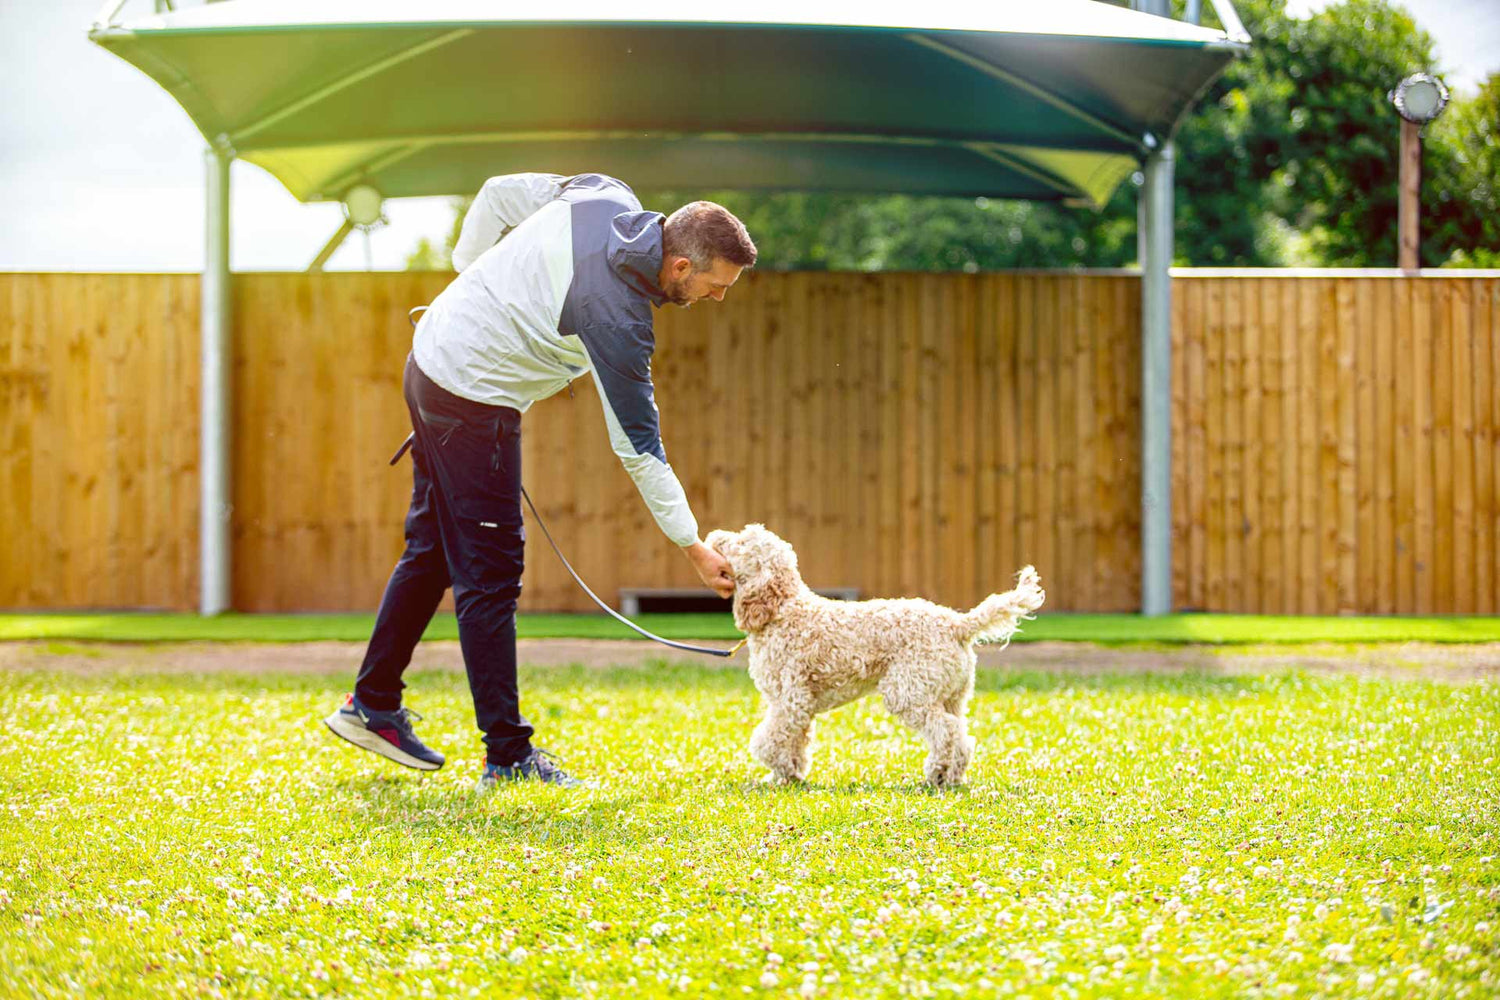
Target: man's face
x,y
684,286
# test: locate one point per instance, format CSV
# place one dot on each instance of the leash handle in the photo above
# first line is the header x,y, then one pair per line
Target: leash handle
x,y
611,611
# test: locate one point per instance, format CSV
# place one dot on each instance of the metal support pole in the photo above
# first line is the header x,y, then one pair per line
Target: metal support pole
x,y
1407,236
214,442
1155,221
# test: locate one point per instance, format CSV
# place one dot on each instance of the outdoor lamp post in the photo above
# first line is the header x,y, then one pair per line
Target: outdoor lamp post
x,y
1418,99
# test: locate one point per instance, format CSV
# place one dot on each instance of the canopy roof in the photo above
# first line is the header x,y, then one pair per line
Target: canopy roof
x,y
1038,99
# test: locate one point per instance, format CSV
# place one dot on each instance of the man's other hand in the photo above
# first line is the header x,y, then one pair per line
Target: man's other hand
x,y
713,569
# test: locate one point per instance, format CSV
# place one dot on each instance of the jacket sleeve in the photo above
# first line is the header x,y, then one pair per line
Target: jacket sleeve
x,y
623,378
500,206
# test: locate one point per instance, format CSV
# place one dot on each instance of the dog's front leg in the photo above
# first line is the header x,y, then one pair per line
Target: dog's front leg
x,y
781,741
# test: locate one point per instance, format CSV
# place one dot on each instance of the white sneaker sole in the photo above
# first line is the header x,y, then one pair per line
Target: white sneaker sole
x,y
366,740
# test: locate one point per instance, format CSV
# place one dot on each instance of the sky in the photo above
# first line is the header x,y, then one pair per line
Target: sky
x,y
100,170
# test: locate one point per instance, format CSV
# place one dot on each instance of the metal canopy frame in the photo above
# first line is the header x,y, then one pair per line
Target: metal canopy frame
x,y
1154,223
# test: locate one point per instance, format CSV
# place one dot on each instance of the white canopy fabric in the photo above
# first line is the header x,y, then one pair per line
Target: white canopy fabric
x,y
1054,100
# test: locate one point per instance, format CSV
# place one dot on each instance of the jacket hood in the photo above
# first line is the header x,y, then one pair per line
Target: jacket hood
x,y
635,251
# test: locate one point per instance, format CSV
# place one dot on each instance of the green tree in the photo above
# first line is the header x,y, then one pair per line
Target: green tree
x,y
1461,183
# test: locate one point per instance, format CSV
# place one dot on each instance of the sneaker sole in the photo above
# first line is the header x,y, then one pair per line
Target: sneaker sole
x,y
366,740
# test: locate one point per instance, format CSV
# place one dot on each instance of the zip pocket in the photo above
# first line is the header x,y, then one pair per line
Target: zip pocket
x,y
442,425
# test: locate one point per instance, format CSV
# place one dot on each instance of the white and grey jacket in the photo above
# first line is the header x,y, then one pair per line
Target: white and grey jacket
x,y
557,278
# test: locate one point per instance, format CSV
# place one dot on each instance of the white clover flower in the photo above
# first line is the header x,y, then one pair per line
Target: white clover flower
x,y
1337,952
1320,912
237,939
768,979
1115,952
518,954
1150,931
772,958
658,929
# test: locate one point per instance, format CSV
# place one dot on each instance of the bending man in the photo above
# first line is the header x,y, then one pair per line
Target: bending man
x,y
558,277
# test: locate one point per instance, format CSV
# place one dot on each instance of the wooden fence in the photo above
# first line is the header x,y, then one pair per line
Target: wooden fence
x,y
1335,443
1334,439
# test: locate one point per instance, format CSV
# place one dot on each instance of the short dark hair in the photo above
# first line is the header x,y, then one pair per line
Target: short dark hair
x,y
703,232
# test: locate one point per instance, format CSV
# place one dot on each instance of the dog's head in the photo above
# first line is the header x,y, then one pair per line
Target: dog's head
x,y
765,573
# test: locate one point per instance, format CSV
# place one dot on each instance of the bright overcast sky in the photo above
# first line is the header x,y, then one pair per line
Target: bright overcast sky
x,y
101,170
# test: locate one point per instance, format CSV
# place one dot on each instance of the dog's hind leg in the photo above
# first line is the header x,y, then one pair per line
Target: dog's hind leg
x,y
957,706
781,741
963,749
947,745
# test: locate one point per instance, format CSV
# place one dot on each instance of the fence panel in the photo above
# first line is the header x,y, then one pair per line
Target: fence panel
x,y
98,424
1367,443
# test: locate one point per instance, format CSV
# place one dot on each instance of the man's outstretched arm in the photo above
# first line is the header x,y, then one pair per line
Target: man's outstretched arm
x,y
631,416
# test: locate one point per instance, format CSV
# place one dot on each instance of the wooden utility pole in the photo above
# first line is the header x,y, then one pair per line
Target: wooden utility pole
x,y
1409,199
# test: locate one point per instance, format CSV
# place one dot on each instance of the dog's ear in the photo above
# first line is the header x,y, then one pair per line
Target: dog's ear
x,y
757,601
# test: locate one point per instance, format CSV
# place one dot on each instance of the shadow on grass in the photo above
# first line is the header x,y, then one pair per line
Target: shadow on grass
x,y
522,811
913,787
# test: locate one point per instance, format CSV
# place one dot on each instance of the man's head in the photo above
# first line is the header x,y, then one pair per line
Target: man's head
x,y
704,249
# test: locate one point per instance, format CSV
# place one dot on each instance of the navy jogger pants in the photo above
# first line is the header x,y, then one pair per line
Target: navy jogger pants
x,y
463,530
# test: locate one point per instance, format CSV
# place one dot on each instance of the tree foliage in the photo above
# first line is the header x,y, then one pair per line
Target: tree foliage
x,y
1290,158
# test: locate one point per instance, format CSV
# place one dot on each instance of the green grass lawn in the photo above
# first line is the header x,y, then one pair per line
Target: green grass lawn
x,y
1138,836
1107,629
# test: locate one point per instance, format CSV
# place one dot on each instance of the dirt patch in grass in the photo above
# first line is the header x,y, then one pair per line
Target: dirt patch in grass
x,y
1411,661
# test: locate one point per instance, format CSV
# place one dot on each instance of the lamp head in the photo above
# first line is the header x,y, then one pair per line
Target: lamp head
x,y
363,205
1420,98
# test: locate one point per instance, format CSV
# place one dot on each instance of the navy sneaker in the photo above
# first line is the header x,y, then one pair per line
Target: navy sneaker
x,y
537,765
386,733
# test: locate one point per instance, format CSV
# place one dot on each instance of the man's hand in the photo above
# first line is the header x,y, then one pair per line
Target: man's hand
x,y
713,569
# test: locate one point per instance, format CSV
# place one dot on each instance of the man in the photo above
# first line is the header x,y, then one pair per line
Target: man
x,y
557,279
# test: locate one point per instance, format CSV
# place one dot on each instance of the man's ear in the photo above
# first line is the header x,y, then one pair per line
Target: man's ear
x,y
680,267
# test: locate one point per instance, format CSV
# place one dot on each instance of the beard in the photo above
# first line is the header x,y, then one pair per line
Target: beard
x,y
676,292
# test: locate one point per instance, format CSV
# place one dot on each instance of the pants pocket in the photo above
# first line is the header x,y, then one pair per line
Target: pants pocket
x,y
491,542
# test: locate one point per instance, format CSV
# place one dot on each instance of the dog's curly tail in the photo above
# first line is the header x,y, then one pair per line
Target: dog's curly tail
x,y
999,616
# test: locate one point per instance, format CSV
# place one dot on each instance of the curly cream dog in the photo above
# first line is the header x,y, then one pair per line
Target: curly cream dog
x,y
809,654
